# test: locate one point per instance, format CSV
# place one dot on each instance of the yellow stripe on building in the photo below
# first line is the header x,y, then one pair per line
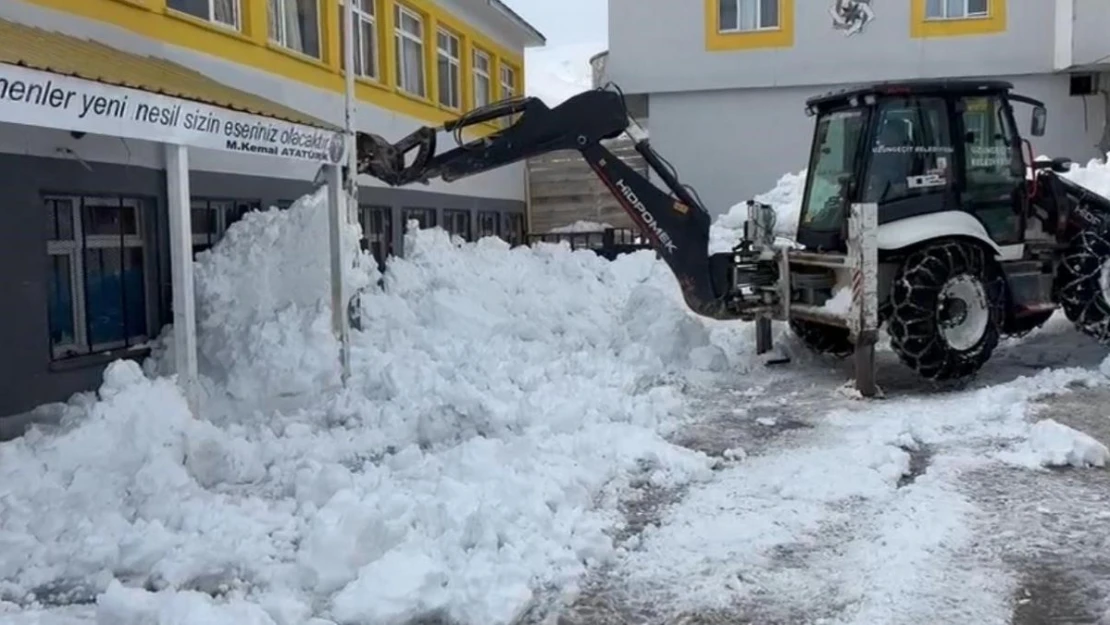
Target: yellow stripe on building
x,y
250,45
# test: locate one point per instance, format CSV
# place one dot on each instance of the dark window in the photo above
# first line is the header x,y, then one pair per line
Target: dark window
x,y
489,224
212,217
225,12
365,37
457,222
912,151
993,166
294,25
514,228
425,217
96,277
377,230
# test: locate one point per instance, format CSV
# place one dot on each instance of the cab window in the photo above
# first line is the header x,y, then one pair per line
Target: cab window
x,y
911,153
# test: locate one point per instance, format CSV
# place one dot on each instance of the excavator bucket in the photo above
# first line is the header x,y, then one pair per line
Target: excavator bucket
x,y
386,161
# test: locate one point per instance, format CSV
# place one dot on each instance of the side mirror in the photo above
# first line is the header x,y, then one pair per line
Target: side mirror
x,y
1039,122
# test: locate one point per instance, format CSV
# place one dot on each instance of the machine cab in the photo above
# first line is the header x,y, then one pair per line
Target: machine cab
x,y
916,148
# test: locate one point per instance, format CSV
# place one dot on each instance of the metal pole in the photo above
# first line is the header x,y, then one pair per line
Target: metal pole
x,y
347,203
181,270
350,111
339,320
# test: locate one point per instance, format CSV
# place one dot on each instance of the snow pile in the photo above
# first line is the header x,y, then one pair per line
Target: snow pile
x,y
263,301
555,73
498,401
1053,444
786,198
580,226
1095,176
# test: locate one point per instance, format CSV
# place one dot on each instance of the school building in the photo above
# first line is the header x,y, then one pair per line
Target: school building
x,y
91,92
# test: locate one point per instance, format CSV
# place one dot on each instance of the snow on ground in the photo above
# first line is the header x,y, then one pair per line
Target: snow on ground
x,y
1053,444
501,402
828,529
580,226
499,398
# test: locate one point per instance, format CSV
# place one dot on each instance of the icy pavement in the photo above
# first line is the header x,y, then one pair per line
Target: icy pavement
x,y
929,506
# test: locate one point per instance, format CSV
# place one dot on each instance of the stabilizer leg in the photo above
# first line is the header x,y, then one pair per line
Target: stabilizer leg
x,y
863,320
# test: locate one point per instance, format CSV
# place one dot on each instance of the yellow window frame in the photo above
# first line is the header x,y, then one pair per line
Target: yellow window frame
x,y
923,27
717,41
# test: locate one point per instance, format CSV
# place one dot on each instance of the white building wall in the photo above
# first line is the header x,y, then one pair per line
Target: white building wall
x,y
660,45
731,145
504,183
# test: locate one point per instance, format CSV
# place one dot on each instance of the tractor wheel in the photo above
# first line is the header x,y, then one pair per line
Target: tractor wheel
x,y
823,338
947,309
1083,283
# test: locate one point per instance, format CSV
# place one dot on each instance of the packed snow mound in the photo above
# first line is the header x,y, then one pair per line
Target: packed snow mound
x,y
1053,444
499,399
556,73
581,226
263,301
786,198
1094,176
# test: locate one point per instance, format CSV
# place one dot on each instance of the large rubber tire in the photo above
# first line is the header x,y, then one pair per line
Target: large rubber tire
x,y
947,309
823,338
1083,283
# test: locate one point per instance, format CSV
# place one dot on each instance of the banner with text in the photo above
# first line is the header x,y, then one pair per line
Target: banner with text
x,y
45,99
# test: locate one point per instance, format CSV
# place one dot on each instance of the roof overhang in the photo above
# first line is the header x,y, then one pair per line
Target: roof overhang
x,y
52,80
531,36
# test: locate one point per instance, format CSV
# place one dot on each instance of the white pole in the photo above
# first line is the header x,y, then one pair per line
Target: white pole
x,y
343,195
181,270
339,321
350,111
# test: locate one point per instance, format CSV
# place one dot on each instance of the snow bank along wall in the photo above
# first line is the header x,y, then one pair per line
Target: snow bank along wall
x,y
91,169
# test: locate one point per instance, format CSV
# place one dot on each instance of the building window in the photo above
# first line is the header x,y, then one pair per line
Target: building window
x,y
366,38
224,12
482,79
408,37
489,224
508,81
514,228
508,89
425,217
210,219
447,58
457,222
747,15
377,230
96,278
295,24
956,9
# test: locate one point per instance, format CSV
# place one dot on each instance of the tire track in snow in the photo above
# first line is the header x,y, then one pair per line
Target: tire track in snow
x,y
918,549
1053,526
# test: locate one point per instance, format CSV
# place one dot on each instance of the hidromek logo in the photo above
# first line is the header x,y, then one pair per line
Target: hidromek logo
x,y
648,218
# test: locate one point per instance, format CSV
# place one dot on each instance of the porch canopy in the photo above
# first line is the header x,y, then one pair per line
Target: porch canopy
x,y
53,80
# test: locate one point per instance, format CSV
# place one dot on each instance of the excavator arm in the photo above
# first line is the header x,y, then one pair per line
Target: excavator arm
x,y
676,223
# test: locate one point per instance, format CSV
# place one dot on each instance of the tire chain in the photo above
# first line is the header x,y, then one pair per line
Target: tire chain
x,y
1078,284
912,326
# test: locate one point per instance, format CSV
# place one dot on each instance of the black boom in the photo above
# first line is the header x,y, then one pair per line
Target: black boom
x,y
677,224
